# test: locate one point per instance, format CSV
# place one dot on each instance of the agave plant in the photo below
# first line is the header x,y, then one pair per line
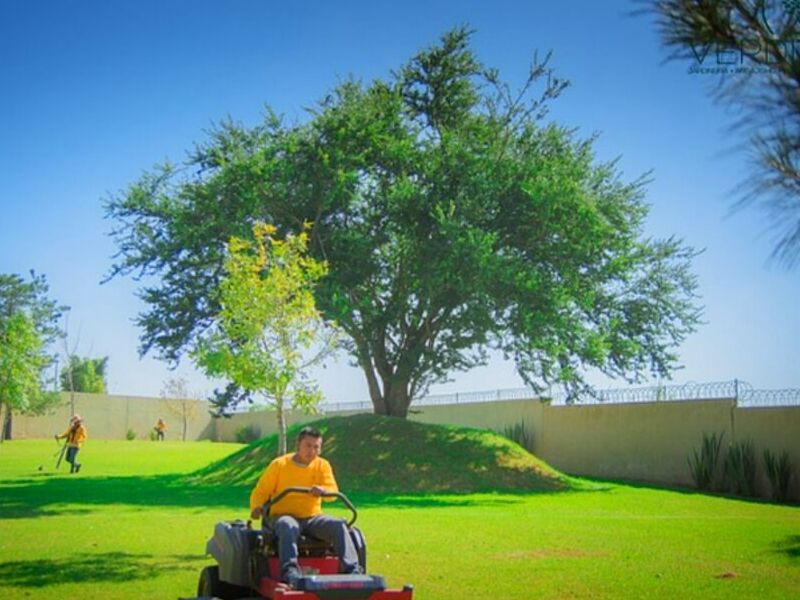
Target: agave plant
x,y
703,464
779,473
740,468
520,434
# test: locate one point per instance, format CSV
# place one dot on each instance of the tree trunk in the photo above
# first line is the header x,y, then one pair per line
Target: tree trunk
x,y
375,394
7,423
71,386
281,426
379,405
184,419
396,397
3,408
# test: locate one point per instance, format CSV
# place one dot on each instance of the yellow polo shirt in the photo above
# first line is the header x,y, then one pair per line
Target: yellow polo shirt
x,y
282,473
75,436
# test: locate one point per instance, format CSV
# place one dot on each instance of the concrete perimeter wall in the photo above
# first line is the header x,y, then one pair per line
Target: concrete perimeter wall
x,y
264,421
648,442
110,417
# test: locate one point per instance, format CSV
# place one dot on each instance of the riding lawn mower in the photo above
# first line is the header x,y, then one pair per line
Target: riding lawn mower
x,y
248,567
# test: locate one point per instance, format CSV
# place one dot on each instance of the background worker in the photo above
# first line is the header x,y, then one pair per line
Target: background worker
x,y
160,428
75,436
302,513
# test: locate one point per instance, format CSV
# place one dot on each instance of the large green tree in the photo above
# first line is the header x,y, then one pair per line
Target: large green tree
x,y
752,45
28,325
454,220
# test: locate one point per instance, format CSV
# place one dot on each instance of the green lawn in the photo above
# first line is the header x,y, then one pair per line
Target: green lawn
x,y
130,526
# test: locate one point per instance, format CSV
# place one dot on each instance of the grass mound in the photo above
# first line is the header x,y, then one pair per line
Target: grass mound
x,y
371,453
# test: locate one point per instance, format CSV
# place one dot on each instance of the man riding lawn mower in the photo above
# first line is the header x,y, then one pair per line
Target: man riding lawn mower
x,y
299,553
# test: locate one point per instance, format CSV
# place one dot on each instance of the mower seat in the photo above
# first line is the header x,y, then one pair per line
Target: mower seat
x,y
307,545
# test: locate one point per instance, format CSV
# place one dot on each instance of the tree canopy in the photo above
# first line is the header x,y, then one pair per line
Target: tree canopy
x,y
453,217
21,361
31,297
753,48
85,375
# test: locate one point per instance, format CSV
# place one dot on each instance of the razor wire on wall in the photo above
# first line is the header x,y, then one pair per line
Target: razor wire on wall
x,y
755,398
713,390
736,389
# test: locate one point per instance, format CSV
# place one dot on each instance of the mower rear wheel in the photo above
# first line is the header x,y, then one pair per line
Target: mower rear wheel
x,y
211,585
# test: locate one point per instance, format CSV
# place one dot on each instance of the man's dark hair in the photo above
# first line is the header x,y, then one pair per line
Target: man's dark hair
x,y
308,432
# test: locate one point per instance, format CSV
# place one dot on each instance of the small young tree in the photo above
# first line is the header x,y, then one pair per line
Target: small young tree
x,y
268,332
177,401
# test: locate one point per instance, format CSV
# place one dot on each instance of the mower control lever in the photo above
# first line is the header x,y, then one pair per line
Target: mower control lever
x,y
307,490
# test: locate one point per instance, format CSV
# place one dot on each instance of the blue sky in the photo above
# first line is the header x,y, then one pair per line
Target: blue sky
x,y
96,92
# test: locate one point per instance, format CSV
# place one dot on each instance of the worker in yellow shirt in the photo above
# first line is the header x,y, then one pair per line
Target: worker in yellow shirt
x,y
75,436
160,428
302,513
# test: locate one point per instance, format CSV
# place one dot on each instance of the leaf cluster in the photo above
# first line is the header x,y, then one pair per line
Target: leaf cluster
x,y
21,361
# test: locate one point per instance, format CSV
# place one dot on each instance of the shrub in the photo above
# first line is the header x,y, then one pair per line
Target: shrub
x,y
520,434
779,473
740,468
130,435
703,466
152,435
248,434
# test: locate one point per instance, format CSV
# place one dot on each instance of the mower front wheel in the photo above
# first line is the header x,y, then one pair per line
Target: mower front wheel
x,y
210,585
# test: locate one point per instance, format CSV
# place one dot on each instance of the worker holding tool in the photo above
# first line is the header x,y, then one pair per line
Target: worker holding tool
x,y
75,435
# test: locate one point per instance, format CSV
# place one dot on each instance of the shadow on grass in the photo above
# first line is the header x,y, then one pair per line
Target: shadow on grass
x,y
103,567
19,510
685,490
47,496
790,547
486,498
367,500
40,497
